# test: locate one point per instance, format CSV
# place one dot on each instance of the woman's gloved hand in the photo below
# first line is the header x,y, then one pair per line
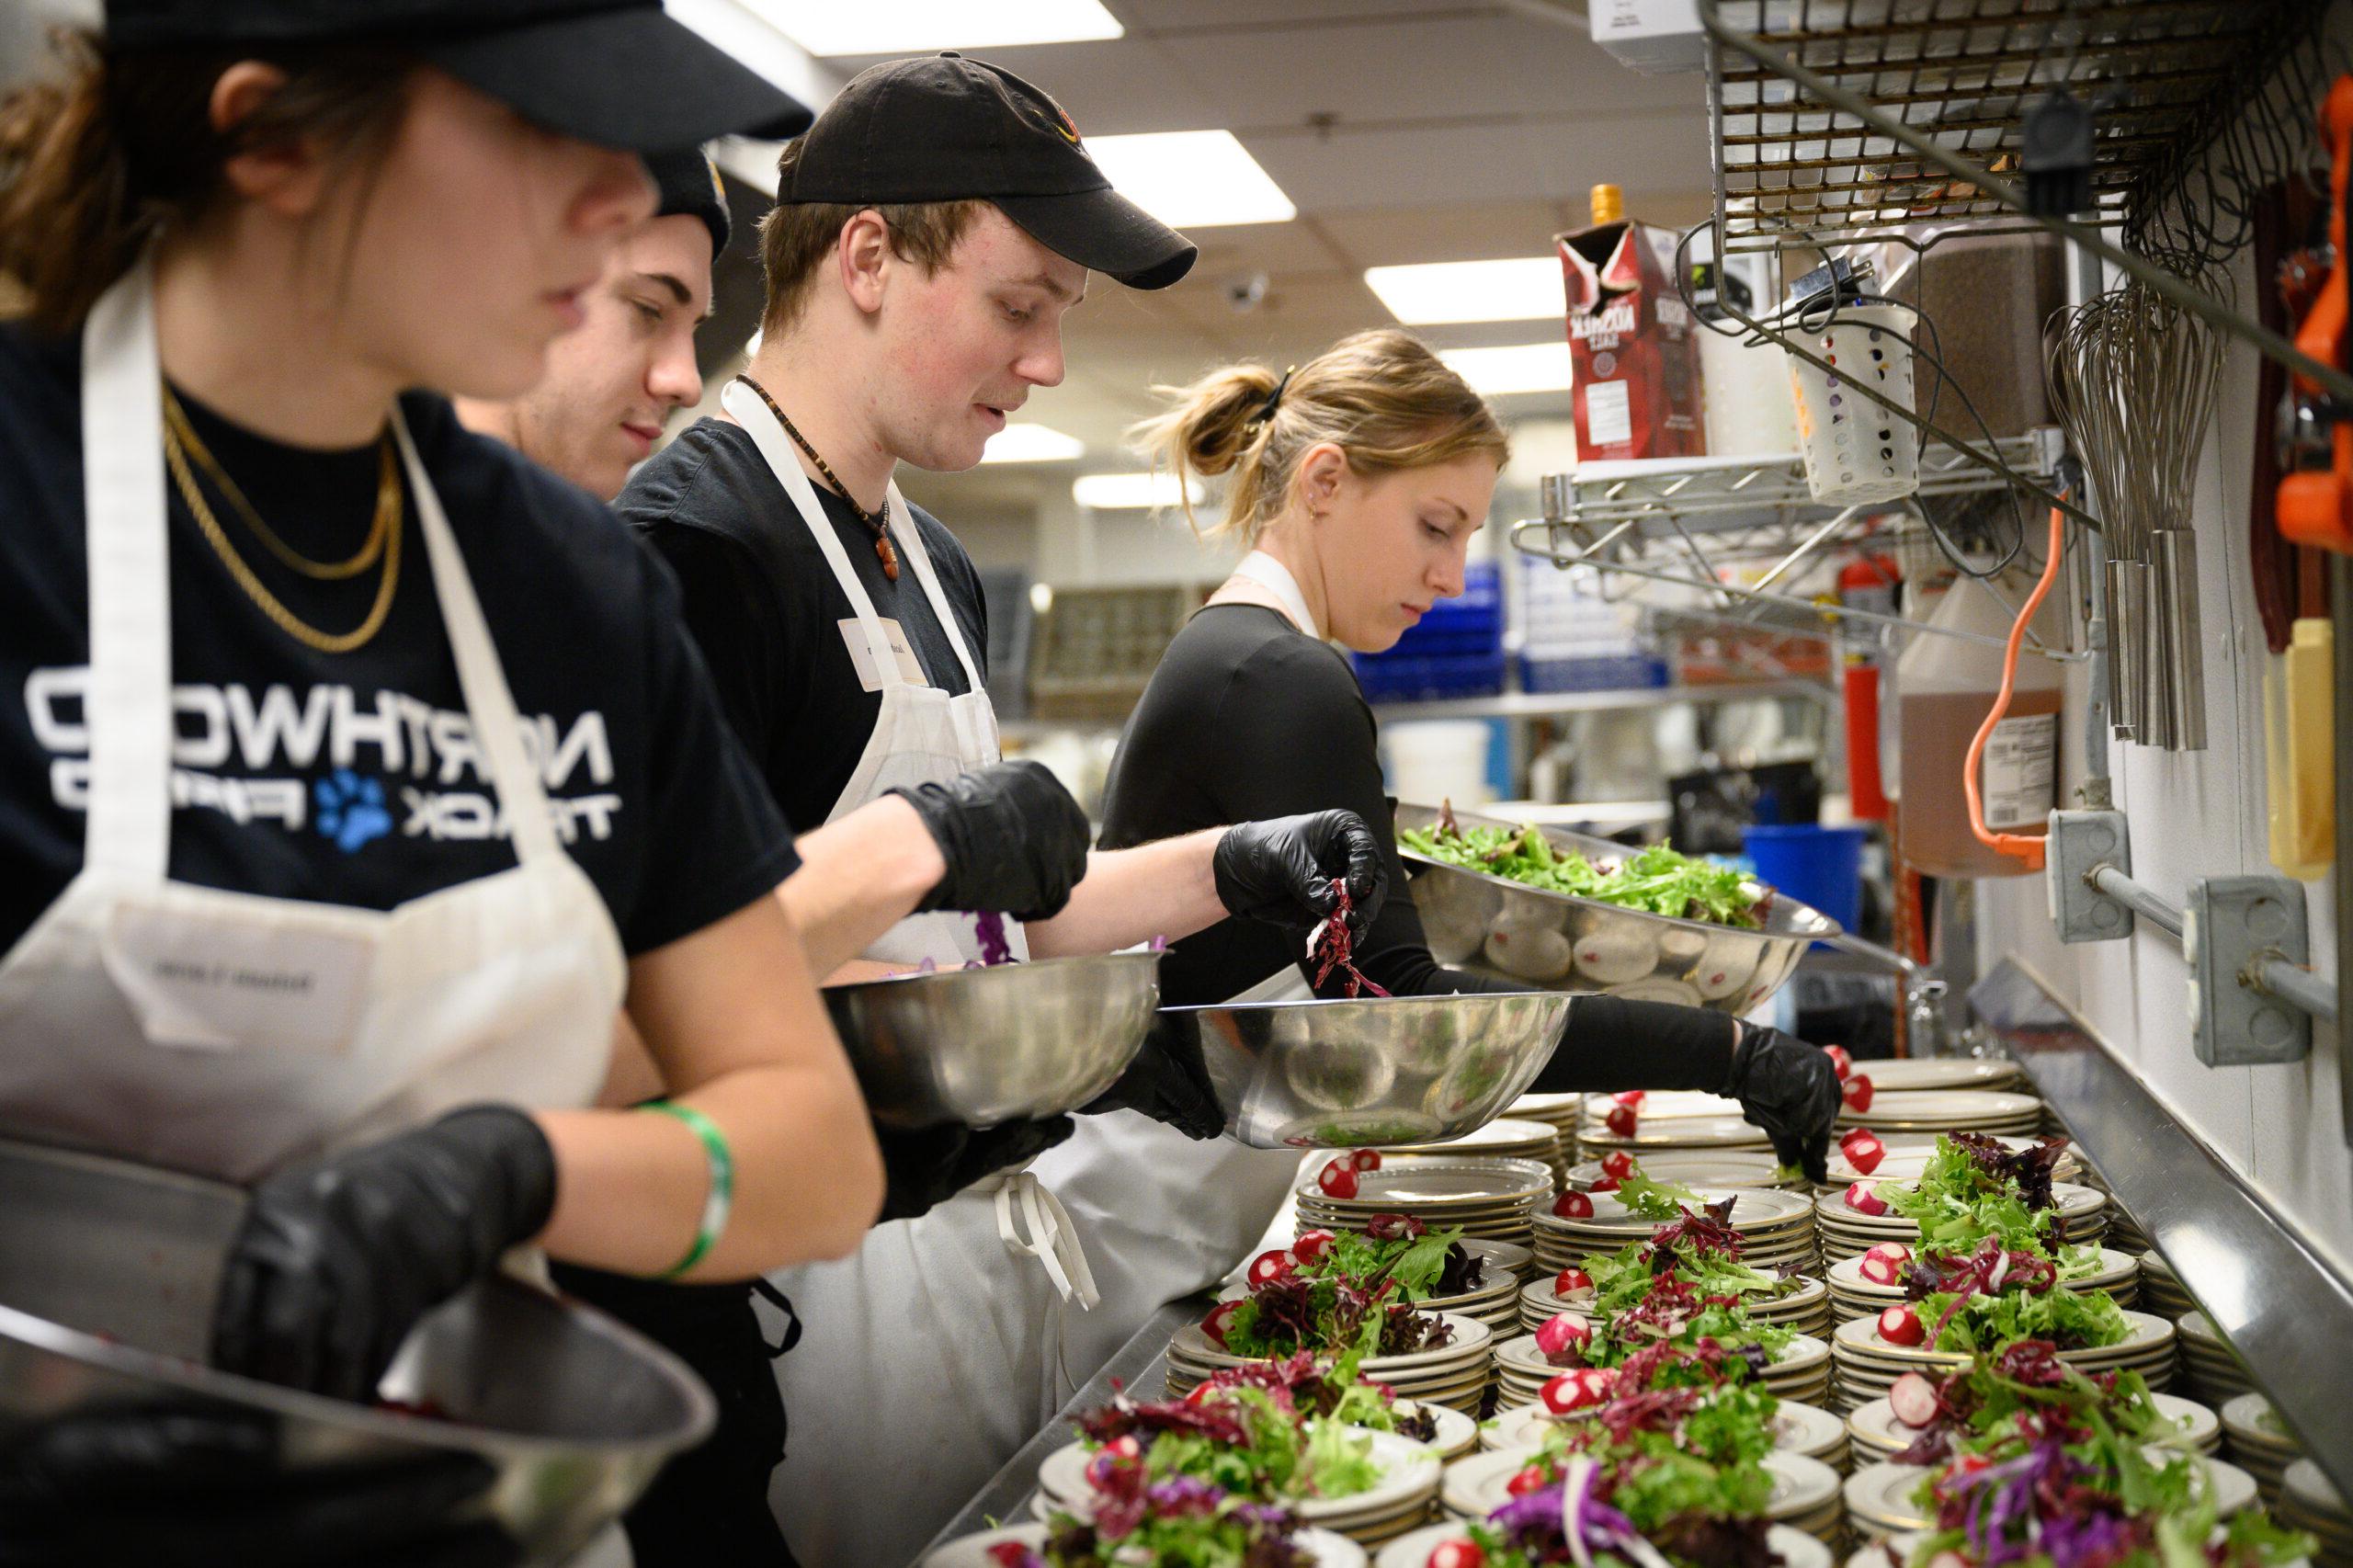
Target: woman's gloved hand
x,y
1790,1089
929,1166
1281,870
1014,841
189,1483
338,1258
1167,1081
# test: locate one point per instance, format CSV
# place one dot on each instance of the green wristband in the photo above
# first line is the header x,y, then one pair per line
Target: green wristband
x,y
723,1182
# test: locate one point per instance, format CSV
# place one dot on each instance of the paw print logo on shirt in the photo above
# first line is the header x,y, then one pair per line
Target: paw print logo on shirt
x,y
351,809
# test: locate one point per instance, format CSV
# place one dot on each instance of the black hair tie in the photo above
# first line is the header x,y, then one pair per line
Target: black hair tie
x,y
1273,400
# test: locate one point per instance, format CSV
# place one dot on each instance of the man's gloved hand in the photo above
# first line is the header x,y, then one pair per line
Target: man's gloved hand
x,y
193,1485
1790,1089
1014,841
1280,870
338,1258
929,1166
1167,1081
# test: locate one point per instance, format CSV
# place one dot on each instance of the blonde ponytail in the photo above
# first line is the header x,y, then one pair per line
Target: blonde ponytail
x,y
1383,397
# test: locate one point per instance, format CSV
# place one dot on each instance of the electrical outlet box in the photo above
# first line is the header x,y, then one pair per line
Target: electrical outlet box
x,y
2230,924
2077,842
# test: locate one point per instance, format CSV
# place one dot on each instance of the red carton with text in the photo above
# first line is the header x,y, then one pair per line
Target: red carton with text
x,y
1631,342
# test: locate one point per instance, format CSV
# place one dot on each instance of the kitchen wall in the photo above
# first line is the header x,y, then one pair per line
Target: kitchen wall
x,y
2195,815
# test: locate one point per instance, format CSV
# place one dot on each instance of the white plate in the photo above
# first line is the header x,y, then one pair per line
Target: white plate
x,y
1731,1167
1322,1548
1759,1211
1436,1182
2116,1270
1506,1133
1797,1428
1878,1494
1859,1338
1794,1548
1941,1075
1457,1434
1679,1132
2254,1423
1408,1469
1875,1426
2072,1203
1663,1105
1958,1110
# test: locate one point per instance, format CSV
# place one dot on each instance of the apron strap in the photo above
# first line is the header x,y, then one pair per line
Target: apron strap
x,y
783,1303
912,546
1032,1222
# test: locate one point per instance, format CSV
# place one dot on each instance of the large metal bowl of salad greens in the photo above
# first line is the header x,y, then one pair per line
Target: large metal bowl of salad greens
x,y
1346,1074
512,1411
1547,907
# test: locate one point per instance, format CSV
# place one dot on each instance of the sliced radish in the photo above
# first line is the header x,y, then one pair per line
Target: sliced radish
x,y
1621,1121
1880,1270
1895,1253
1268,1266
1533,1479
1561,1334
1566,1392
1457,1554
1607,1184
1618,1163
1573,1206
1914,1400
1840,1063
1901,1325
1631,1098
1863,1200
1008,1554
1312,1245
1857,1094
1365,1160
1865,1154
1573,1285
1202,1393
1338,1179
1220,1316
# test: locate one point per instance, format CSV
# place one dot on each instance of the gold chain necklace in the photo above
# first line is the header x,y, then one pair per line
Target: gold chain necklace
x,y
878,521
389,526
388,504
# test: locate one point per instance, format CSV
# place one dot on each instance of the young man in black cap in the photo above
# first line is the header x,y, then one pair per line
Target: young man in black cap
x,y
932,230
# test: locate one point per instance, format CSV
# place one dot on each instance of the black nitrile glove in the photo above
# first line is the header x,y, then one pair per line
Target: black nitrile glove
x,y
928,1166
1168,1082
1014,841
1790,1089
1280,870
194,1485
338,1258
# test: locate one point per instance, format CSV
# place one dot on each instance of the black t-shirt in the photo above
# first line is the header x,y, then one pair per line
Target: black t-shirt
x,y
1247,717
353,778
767,609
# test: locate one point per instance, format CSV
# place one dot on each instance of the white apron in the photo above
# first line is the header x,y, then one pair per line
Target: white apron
x,y
225,1033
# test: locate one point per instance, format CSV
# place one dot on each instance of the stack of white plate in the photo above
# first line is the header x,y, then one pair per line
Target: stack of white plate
x,y
1673,1135
1791,1549
1849,1233
1946,1111
2308,1503
1454,1375
1878,1435
1496,1302
1802,1372
1805,1491
1489,1197
1804,1306
1880,1497
1907,1157
1560,1111
1322,1548
1722,1167
2209,1363
2260,1442
1925,1073
2124,1230
1777,1228
1457,1434
1852,1296
1506,1136
2162,1291
1797,1429
1402,1499
1869,1366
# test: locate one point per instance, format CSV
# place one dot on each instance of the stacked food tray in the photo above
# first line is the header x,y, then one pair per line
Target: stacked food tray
x,y
1493,1199
1507,1137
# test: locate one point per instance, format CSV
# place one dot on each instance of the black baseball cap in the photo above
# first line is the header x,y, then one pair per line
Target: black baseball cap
x,y
616,73
689,187
948,128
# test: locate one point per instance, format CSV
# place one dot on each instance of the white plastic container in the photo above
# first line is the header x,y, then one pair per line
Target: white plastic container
x,y
1749,413
1855,449
1944,689
1440,759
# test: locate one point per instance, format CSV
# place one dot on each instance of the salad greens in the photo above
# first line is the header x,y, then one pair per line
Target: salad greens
x,y
1181,1523
1422,1262
1996,1396
1974,1188
1657,880
1697,1250
1349,1298
1659,1201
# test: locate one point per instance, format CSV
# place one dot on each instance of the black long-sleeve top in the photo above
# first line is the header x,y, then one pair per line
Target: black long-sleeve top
x,y
1248,718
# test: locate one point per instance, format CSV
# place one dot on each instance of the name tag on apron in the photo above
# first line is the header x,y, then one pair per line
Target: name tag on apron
x,y
265,983
862,656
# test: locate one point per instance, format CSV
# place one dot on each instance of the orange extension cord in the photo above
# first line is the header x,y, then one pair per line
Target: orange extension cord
x,y
2024,847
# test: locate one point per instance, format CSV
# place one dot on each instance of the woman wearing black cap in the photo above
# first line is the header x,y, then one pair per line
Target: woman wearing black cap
x,y
353,770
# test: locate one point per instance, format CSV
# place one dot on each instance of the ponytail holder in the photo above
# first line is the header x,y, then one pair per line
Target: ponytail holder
x,y
1273,400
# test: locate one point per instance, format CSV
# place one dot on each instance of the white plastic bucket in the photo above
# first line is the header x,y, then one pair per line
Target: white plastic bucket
x,y
1440,759
1855,449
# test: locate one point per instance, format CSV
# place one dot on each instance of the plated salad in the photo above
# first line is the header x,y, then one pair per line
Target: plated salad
x,y
1972,1188
1303,1299
1668,1312
1999,1295
1999,1396
1179,1521
1423,1263
1697,1249
1657,880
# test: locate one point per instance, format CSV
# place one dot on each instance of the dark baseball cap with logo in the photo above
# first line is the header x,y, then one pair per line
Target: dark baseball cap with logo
x,y
618,73
948,128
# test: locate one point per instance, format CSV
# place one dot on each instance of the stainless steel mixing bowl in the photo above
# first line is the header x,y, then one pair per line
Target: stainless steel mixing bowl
x,y
108,1273
986,1046
1503,927
1339,1074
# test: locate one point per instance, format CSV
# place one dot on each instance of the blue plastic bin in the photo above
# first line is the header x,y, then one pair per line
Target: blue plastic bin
x,y
1818,865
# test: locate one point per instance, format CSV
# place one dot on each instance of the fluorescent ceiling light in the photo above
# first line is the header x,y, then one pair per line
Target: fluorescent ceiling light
x,y
1191,179
1031,444
1133,492
1522,288
918,27
1521,368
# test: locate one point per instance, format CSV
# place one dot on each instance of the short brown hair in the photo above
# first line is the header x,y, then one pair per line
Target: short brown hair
x,y
108,151
1381,396
796,237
